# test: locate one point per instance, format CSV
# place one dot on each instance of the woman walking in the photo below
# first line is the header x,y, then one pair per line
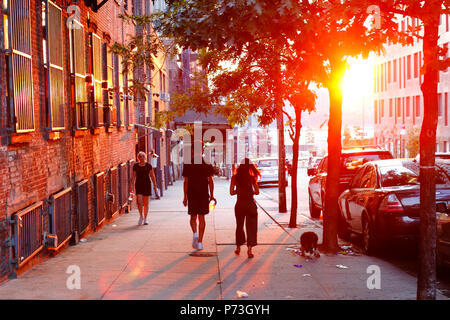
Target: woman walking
x,y
244,184
142,173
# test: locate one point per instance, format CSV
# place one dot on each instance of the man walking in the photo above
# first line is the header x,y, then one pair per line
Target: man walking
x,y
197,179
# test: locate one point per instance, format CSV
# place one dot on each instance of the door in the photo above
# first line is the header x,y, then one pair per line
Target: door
x,y
443,230
368,185
315,184
357,196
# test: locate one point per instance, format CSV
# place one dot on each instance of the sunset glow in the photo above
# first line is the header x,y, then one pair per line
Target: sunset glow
x,y
358,84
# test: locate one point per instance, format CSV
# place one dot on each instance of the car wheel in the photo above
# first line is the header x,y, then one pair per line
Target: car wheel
x,y
313,210
441,265
369,243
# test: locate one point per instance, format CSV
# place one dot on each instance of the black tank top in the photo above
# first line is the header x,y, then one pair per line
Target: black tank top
x,y
244,191
142,174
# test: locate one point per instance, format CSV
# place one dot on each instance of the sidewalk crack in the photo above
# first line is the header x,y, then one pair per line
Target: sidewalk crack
x,y
218,262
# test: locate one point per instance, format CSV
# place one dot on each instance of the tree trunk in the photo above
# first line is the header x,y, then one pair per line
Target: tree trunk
x,y
295,146
332,192
281,160
426,286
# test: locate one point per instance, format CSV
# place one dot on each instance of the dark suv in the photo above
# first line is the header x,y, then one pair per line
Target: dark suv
x,y
351,159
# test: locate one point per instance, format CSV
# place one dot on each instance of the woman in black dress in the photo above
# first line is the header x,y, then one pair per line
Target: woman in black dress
x,y
244,184
142,173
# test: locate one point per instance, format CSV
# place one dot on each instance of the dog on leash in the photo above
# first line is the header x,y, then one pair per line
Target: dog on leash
x,y
308,244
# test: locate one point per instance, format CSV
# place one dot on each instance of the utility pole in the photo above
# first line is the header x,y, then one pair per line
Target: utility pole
x,y
281,161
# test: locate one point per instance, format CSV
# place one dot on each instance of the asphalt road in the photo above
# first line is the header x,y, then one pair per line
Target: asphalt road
x,y
403,256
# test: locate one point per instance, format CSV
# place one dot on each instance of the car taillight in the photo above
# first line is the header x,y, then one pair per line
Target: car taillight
x,y
391,204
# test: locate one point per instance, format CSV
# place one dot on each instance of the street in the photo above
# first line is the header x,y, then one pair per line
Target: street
x,y
403,256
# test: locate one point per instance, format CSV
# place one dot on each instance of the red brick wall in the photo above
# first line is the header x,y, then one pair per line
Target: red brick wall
x,y
34,171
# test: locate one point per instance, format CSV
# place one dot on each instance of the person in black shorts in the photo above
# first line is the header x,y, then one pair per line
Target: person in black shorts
x,y
142,173
244,184
197,179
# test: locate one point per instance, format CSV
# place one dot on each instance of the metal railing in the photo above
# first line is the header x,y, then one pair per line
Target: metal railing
x,y
110,114
130,176
82,205
60,219
123,184
99,199
27,234
98,110
113,179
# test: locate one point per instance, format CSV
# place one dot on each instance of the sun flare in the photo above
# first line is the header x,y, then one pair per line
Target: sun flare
x,y
358,82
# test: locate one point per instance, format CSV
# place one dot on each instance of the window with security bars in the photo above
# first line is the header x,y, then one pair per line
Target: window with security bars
x,y
128,106
375,107
17,44
417,106
110,107
96,47
120,99
53,61
78,74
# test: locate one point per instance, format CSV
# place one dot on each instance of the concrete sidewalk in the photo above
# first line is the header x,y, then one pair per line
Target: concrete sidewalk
x,y
126,261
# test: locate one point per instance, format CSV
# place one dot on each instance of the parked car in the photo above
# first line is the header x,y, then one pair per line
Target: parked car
x,y
313,164
383,204
269,170
438,155
351,159
289,167
443,236
442,155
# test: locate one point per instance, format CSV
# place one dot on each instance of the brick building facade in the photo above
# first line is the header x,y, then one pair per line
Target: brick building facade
x,y
66,124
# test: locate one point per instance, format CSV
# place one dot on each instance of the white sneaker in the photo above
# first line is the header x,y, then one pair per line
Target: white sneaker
x,y
195,241
200,246
140,220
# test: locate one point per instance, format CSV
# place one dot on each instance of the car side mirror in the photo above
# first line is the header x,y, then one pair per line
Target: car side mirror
x,y
312,171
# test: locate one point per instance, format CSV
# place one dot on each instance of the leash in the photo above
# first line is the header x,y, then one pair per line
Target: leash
x,y
284,229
